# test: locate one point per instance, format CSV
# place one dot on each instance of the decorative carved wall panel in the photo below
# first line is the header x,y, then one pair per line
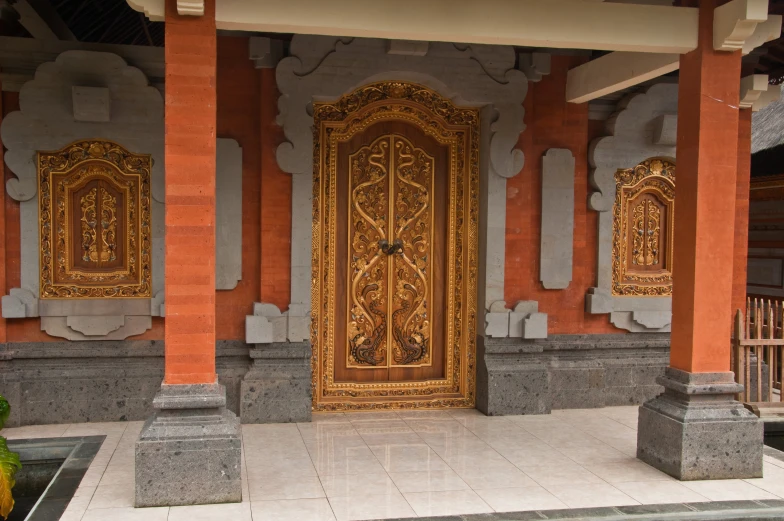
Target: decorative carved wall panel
x,y
395,202
643,229
94,218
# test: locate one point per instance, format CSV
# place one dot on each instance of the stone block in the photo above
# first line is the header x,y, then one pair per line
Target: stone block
x,y
665,130
598,301
92,325
189,452
535,326
228,214
557,237
509,382
407,47
131,326
20,303
278,386
91,104
265,53
696,430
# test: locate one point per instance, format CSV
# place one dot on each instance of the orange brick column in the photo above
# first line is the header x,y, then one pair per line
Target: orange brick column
x,y
695,429
189,452
190,52
742,213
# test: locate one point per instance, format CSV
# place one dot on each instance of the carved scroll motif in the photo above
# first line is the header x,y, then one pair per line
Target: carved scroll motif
x,y
643,229
390,293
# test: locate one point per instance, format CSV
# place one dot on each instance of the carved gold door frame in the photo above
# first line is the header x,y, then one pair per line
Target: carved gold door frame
x,y
406,271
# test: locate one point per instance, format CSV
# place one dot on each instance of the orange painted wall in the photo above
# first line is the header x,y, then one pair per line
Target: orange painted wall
x,y
553,123
275,203
238,118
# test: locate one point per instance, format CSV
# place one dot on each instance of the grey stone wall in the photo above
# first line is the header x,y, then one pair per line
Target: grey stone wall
x,y
517,376
72,382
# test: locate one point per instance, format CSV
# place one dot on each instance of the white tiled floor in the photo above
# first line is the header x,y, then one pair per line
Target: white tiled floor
x,y
408,464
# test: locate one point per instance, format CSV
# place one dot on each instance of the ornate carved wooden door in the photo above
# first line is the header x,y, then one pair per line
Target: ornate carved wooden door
x,y
392,250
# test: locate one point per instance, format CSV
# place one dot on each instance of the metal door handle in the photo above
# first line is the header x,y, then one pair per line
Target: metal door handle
x,y
390,249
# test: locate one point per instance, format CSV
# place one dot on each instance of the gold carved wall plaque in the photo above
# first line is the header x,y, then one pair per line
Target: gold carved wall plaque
x,y
395,234
643,221
94,217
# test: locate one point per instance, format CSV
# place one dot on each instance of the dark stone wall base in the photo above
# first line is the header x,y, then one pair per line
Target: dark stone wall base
x,y
517,376
510,382
696,430
189,452
74,382
277,389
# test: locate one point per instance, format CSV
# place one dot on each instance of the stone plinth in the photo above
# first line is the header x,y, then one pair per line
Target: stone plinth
x,y
511,378
696,429
277,388
189,452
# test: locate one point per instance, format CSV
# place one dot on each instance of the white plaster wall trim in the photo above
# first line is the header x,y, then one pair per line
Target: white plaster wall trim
x,y
326,68
228,214
735,21
47,120
634,134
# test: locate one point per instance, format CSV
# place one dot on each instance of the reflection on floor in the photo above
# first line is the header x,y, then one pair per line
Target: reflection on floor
x,y
409,464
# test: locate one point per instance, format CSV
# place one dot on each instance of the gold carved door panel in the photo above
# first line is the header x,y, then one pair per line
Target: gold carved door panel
x,y
394,292
391,254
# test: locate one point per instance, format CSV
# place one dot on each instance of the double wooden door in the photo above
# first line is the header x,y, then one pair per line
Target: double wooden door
x,y
394,284
390,302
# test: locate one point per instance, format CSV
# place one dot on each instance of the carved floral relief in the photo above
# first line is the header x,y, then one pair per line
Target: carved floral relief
x,y
94,218
643,221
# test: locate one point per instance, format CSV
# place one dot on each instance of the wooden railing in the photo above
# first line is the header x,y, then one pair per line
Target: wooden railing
x,y
758,351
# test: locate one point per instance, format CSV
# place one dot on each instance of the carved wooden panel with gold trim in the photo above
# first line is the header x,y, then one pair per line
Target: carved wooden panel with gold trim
x,y
94,216
395,239
643,229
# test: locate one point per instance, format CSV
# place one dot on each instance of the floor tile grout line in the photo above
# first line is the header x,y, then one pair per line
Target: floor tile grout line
x,y
450,466
387,472
315,469
575,462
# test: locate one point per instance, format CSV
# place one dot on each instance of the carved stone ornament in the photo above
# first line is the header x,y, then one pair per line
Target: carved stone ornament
x,y
94,219
643,226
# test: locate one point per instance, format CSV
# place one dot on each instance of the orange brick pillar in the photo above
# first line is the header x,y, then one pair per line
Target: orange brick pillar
x,y
695,429
742,213
190,141
190,451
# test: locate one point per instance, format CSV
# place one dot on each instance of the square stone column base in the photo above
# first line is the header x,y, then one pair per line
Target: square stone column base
x,y
696,429
189,452
277,389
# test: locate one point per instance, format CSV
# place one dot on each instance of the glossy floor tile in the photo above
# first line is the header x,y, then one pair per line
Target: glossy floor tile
x,y
388,464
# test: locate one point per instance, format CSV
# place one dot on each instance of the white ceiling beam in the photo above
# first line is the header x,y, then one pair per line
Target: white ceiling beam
x,y
620,70
32,21
574,24
616,71
736,21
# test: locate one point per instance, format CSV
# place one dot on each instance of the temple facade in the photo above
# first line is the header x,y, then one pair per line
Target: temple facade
x,y
259,220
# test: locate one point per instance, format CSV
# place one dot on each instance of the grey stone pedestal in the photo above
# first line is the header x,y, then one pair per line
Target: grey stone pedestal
x,y
696,429
189,452
277,388
511,378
